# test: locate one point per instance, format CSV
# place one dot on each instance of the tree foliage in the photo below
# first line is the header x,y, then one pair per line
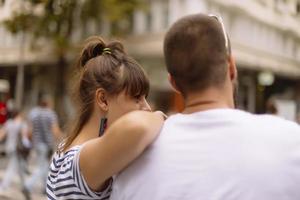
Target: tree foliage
x,y
56,20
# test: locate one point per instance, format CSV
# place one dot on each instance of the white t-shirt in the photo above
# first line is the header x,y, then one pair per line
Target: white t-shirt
x,y
13,128
219,154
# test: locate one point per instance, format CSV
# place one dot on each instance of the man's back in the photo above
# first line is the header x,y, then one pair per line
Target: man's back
x,y
217,154
42,120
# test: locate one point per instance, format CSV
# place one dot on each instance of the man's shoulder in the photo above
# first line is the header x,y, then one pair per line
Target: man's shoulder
x,y
235,123
275,122
8,123
34,110
49,111
231,115
43,111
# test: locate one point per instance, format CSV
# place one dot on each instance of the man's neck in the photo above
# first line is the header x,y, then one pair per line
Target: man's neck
x,y
206,100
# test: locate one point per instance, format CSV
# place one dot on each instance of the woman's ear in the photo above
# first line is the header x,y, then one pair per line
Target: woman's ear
x,y
101,99
173,83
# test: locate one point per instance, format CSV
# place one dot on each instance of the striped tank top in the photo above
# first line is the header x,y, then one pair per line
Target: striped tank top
x,y
65,180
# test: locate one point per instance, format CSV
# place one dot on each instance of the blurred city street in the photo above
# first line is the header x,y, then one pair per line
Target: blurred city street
x,y
39,58
14,191
40,42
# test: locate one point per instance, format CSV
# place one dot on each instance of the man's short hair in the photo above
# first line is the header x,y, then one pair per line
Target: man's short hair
x,y
195,53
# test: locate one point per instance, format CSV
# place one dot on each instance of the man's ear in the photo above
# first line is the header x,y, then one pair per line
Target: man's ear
x,y
101,99
232,68
173,83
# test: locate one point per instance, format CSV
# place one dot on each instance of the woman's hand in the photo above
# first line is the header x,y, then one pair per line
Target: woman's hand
x,y
162,114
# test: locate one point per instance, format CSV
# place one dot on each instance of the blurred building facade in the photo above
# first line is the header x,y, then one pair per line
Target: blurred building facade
x,y
15,50
265,37
41,73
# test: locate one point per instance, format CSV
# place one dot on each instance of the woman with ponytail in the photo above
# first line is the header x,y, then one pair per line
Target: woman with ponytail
x,y
106,136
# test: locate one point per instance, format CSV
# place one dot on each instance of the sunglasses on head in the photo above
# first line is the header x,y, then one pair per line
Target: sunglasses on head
x,y
220,20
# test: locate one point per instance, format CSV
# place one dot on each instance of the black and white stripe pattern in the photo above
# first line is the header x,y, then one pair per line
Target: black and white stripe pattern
x,y
42,120
66,182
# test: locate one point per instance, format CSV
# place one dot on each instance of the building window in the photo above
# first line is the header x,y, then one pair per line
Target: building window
x,y
262,2
298,8
148,20
281,5
165,14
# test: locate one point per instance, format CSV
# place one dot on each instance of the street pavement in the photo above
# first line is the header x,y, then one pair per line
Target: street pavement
x,y
14,192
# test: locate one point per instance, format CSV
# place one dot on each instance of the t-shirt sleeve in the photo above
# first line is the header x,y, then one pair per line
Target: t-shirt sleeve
x,y
5,126
30,115
83,186
24,126
53,118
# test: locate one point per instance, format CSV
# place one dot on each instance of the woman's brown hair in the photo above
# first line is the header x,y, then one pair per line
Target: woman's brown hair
x,y
104,65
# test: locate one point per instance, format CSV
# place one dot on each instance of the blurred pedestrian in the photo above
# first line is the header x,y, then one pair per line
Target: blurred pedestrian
x,y
10,105
211,150
15,132
271,107
45,130
102,142
3,113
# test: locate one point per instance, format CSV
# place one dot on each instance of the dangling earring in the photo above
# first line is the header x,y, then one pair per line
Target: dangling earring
x,y
103,124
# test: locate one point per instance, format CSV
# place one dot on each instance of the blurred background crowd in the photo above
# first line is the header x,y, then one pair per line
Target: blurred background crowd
x,y
40,40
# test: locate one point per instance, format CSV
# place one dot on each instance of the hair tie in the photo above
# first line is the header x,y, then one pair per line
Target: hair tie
x,y
106,50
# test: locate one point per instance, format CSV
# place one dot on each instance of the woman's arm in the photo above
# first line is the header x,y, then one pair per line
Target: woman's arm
x,y
124,141
25,135
2,133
